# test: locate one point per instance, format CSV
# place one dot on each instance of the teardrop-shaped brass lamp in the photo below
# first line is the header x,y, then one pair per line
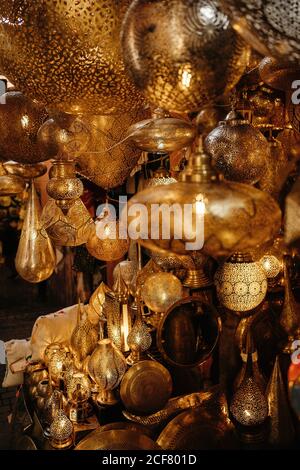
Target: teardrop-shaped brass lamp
x,y
35,259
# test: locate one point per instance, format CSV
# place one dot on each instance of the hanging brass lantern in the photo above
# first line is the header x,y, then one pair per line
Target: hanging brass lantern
x,y
20,119
71,229
63,185
35,259
67,54
108,240
239,151
162,133
160,291
181,75
234,216
270,26
241,283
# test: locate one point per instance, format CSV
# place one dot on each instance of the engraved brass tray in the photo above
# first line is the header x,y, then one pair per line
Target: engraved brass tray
x,y
117,439
146,387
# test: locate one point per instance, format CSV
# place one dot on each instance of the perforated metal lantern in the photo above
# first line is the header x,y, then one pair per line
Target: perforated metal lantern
x,y
160,291
238,150
20,120
181,53
241,283
67,54
272,27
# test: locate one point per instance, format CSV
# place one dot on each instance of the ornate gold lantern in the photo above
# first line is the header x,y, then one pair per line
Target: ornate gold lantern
x,y
56,365
234,216
239,151
108,241
160,291
107,366
71,229
126,269
84,337
249,406
20,119
241,283
35,259
139,338
67,54
61,432
63,185
271,27
181,75
162,133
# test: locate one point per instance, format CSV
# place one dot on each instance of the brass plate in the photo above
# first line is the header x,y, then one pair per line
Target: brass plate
x,y
146,387
117,439
196,430
188,332
25,443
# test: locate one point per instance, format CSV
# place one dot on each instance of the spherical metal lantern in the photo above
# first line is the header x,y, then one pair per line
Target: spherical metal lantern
x,y
127,270
239,151
20,120
109,247
271,265
160,291
67,54
61,431
272,27
181,75
241,284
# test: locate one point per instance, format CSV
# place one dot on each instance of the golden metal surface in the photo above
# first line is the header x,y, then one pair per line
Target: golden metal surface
x,y
72,229
181,75
276,74
237,217
162,135
67,54
239,151
20,119
271,27
249,406
10,185
27,171
282,432
107,249
35,258
202,428
117,439
160,291
106,367
63,186
84,338
241,284
146,387
188,332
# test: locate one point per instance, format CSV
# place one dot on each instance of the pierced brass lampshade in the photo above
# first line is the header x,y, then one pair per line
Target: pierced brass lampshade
x,y
239,151
106,367
234,216
181,75
84,337
56,365
127,270
162,133
63,185
160,176
71,229
20,119
111,245
79,378
139,338
160,291
35,259
271,27
249,406
241,283
61,432
67,54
